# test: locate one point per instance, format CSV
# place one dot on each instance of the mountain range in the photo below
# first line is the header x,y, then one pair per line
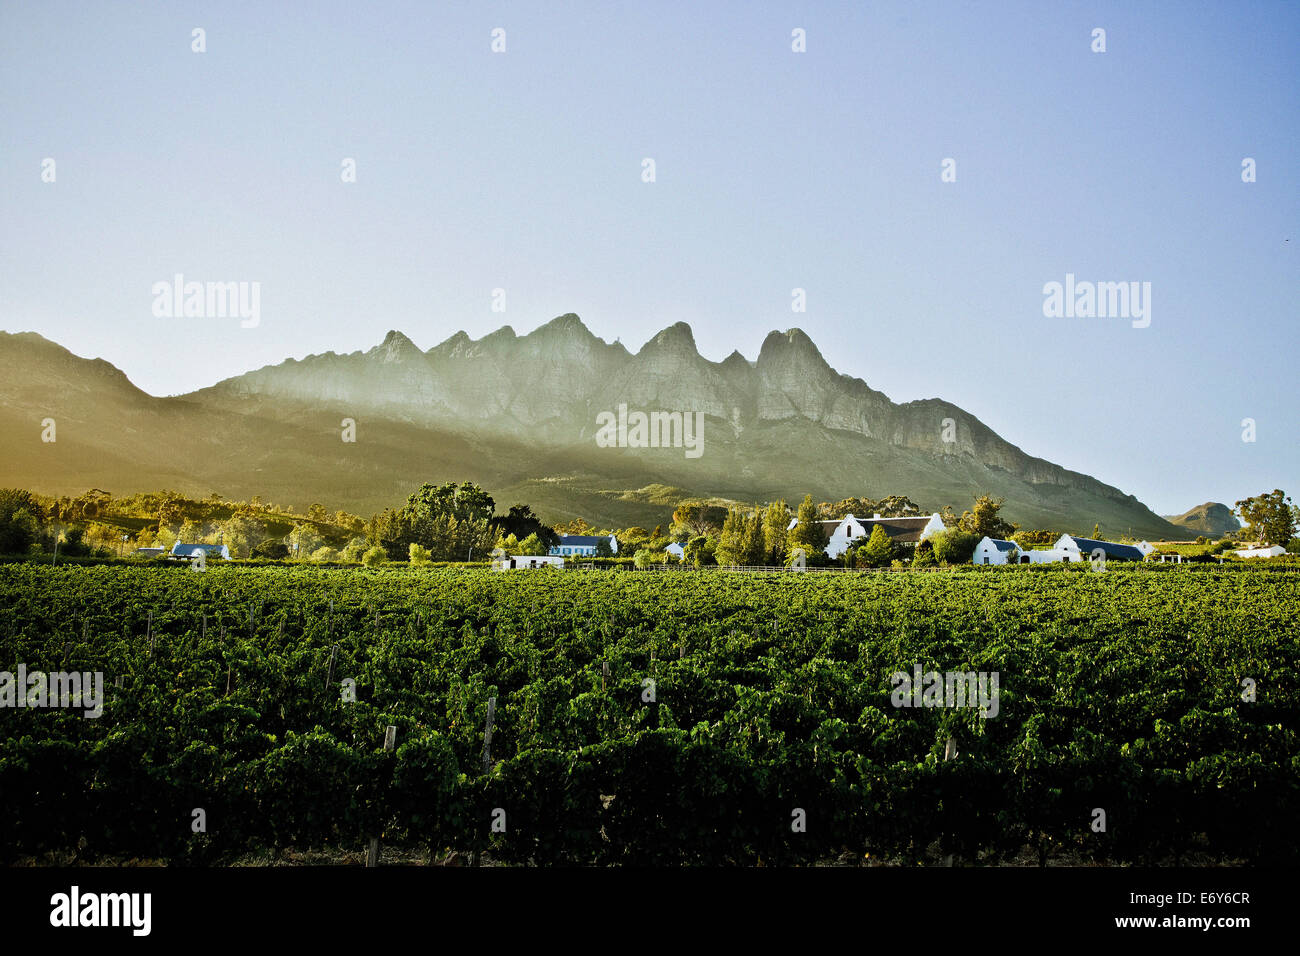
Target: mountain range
x,y
518,415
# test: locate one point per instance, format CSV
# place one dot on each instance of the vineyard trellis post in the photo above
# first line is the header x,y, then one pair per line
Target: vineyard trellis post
x,y
390,741
487,734
329,671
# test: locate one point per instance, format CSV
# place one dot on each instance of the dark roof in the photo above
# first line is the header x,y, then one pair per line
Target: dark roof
x,y
1002,545
179,548
1109,548
577,540
901,530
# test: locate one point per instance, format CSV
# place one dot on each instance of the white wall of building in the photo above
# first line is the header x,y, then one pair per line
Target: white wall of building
x,y
1272,552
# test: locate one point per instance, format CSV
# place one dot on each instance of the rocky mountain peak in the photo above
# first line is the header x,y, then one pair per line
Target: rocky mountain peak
x,y
792,344
568,325
677,338
396,347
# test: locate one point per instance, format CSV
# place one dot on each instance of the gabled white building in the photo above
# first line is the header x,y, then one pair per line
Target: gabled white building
x,y
996,551
1072,548
840,532
1068,548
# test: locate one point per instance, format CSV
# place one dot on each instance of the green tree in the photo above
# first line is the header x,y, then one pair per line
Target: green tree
x,y
1269,516
695,519
897,506
20,520
754,542
531,545
954,546
354,550
302,541
242,534
776,524
983,520
730,540
860,507
699,551
1026,539
808,534
642,559
521,522
418,555
374,557
879,549
603,548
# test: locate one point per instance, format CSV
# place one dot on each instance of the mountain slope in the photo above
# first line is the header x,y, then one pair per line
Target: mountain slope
x,y
1211,518
518,414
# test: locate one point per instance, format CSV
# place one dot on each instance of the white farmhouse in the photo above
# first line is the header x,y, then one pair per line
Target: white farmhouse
x,y
187,551
1272,552
996,551
583,545
676,550
1073,548
840,532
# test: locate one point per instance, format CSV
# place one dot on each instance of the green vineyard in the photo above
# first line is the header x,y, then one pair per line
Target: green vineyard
x,y
655,718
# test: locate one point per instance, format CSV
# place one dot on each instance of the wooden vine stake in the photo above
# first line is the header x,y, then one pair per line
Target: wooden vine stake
x,y
487,760
329,671
949,752
390,741
604,675
487,735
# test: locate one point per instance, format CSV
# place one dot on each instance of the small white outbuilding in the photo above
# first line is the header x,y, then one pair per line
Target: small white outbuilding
x,y
1272,552
995,551
513,562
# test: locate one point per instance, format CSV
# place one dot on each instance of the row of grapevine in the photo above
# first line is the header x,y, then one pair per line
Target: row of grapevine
x,y
683,718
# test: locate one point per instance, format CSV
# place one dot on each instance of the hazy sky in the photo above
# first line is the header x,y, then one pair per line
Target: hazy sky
x,y
774,170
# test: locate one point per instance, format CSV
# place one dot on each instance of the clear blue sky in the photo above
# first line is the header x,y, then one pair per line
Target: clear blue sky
x,y
775,170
